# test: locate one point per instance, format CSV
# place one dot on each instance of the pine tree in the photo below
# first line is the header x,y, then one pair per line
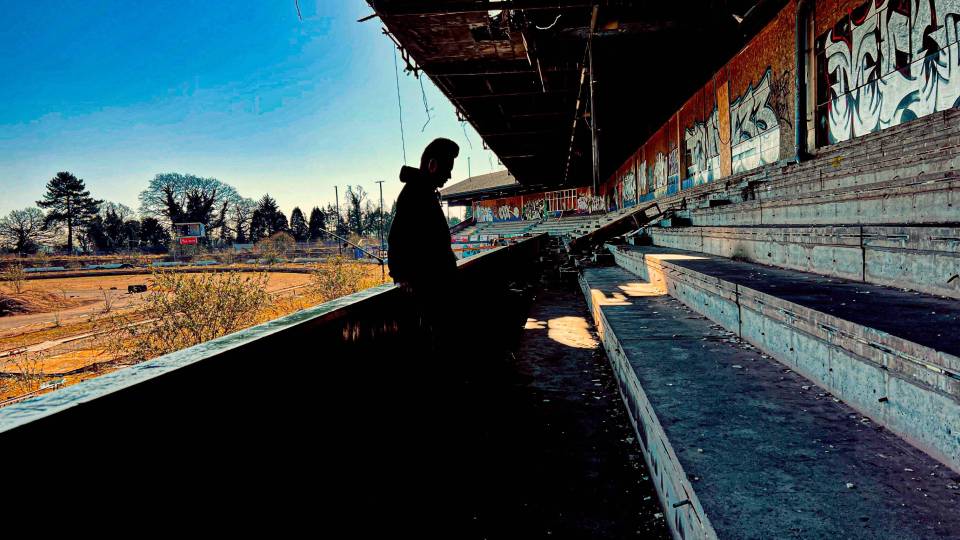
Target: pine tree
x,y
68,201
318,222
298,226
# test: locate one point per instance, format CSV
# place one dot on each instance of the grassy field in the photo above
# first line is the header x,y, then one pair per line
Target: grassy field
x,y
70,333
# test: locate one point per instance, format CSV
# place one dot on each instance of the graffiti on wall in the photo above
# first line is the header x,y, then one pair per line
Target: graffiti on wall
x,y
483,214
755,122
702,141
673,170
888,62
533,209
659,175
506,212
630,188
642,181
589,203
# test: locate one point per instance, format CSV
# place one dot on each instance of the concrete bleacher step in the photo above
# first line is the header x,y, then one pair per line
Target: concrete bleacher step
x,y
892,355
740,446
925,259
906,175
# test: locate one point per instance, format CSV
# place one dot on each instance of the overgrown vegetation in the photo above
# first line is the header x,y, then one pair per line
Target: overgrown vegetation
x,y
15,277
188,309
275,247
339,278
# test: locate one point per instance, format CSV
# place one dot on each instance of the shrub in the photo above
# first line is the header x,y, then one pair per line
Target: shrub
x,y
338,277
15,276
275,247
188,309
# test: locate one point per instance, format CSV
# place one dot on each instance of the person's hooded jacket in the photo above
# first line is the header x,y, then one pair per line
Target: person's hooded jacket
x,y
419,250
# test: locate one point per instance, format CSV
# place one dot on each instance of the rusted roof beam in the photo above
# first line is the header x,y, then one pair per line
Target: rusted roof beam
x,y
433,7
507,94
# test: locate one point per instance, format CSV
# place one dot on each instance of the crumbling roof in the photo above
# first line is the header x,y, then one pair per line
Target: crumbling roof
x,y
517,70
497,181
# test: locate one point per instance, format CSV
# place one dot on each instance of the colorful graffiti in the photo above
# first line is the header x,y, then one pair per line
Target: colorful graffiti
x,y
755,125
533,209
483,214
508,213
590,203
629,188
887,62
703,146
673,170
659,175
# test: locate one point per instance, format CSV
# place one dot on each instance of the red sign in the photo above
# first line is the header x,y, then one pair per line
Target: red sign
x,y
188,240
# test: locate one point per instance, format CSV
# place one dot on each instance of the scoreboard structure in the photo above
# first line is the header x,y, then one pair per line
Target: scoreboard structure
x,y
188,234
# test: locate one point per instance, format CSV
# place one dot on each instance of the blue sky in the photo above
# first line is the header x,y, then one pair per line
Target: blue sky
x,y
242,91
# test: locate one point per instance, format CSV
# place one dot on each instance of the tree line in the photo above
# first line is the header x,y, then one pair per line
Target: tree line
x,y
68,217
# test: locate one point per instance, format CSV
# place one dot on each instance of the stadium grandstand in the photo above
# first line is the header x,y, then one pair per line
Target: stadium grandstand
x,y
718,276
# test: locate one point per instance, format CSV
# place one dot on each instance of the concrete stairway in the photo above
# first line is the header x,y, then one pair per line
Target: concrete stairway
x,y
893,355
740,445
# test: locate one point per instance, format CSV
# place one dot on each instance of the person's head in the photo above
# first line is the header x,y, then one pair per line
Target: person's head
x,y
436,163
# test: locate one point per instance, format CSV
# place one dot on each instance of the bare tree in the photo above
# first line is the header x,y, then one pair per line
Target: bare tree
x,y
24,230
355,199
240,219
185,198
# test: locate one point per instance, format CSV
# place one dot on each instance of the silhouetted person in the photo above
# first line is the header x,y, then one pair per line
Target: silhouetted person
x,y
423,265
420,256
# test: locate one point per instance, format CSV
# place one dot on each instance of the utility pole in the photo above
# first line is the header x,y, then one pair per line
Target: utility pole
x,y
381,216
593,112
469,174
336,227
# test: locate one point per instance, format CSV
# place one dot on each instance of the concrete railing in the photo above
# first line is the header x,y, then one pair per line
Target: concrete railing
x,y
316,398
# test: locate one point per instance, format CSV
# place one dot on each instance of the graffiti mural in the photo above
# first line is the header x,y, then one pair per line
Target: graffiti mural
x,y
642,181
659,175
888,62
533,209
483,214
505,212
629,188
587,203
703,145
673,170
755,125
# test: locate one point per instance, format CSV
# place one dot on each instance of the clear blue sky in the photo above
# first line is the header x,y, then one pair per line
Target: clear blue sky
x,y
239,90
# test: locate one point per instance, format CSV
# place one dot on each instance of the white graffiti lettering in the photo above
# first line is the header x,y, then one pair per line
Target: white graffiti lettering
x,y
755,130
897,64
703,148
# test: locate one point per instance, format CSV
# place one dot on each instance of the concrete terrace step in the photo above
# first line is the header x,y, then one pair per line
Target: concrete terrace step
x,y
741,447
925,259
892,355
902,174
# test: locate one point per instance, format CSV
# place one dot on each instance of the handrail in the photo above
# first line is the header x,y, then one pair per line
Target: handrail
x,y
383,273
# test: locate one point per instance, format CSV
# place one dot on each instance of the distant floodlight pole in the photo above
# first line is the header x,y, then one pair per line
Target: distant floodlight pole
x,y
381,216
336,227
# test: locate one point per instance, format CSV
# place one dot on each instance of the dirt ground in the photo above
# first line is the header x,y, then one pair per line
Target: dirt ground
x,y
82,298
60,342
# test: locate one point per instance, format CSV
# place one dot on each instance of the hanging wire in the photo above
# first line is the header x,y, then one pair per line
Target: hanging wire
x,y
463,124
403,140
554,23
299,16
426,108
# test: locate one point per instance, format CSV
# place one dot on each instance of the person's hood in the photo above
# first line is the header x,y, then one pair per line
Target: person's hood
x,y
411,175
